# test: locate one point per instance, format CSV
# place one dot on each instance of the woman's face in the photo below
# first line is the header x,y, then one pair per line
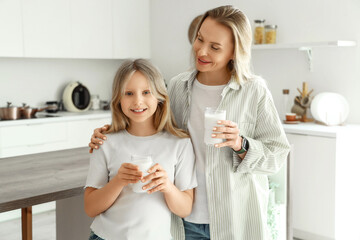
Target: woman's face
x,y
213,47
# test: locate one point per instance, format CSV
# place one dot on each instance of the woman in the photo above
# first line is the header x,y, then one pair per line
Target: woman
x,y
232,194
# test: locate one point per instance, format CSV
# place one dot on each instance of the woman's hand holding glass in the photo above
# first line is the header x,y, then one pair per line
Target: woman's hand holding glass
x,y
159,180
229,131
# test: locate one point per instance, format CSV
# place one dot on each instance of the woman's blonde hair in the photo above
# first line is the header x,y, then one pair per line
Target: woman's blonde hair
x,y
163,118
239,24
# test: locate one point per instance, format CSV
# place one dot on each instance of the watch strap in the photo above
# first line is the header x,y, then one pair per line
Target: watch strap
x,y
244,146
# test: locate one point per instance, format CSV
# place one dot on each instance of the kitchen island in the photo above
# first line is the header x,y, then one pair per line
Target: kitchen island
x,y
44,177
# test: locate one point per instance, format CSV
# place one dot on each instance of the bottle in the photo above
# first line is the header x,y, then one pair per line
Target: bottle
x,y
95,102
259,31
285,104
270,34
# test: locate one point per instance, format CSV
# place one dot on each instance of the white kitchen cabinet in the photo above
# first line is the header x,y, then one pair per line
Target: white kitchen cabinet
x,y
87,29
47,28
11,35
22,137
131,29
32,138
325,195
91,28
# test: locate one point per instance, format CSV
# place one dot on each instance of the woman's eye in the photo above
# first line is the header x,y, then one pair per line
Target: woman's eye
x,y
199,39
215,48
128,93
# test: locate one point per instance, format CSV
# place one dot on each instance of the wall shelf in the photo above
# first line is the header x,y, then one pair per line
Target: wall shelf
x,y
306,46
338,43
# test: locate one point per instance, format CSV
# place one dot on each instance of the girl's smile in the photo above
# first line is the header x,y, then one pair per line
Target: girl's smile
x,y
139,110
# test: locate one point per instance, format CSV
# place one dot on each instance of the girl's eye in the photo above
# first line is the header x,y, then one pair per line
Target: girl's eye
x,y
147,92
199,39
128,93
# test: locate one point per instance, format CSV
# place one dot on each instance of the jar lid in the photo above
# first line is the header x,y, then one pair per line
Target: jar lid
x,y
259,20
271,26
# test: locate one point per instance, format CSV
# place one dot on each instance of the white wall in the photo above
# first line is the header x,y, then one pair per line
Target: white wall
x,y
35,81
335,69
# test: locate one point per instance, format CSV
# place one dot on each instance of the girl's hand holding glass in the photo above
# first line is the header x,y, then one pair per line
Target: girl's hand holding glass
x,y
159,180
129,173
228,131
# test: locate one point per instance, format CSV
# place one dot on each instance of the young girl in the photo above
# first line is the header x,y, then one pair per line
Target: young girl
x,y
232,194
142,125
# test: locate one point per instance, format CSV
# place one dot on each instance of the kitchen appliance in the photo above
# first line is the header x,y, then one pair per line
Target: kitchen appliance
x,y
52,106
76,97
330,108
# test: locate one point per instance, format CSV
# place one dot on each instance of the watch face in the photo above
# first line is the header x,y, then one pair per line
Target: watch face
x,y
245,144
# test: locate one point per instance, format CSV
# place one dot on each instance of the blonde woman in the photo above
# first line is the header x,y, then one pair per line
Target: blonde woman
x,y
142,126
232,195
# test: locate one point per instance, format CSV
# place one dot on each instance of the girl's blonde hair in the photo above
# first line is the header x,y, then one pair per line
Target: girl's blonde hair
x,y
163,118
239,24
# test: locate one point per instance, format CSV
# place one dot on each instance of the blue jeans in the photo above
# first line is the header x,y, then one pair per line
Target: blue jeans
x,y
194,231
93,236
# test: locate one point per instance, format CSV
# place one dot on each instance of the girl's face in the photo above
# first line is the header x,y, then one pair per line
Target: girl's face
x,y
213,47
138,103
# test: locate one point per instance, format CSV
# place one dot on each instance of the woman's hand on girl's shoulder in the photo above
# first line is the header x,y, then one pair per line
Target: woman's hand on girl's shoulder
x,y
159,180
97,137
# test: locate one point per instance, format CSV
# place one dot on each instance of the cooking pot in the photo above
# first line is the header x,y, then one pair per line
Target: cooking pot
x,y
28,112
10,112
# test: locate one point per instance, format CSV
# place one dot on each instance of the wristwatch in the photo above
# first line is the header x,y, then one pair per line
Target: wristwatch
x,y
244,146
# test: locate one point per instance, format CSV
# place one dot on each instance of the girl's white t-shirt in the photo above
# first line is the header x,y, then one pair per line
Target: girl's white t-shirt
x,y
140,215
202,96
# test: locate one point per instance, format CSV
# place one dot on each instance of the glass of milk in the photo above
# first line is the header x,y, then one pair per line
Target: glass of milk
x,y
212,115
144,163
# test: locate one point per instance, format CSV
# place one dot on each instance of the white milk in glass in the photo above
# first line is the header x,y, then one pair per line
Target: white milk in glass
x,y
212,115
144,163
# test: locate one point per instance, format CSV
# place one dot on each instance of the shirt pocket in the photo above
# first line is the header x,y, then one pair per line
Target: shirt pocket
x,y
246,129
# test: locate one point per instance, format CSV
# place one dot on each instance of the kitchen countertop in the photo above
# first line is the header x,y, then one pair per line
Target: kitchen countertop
x,y
316,129
60,116
310,128
38,178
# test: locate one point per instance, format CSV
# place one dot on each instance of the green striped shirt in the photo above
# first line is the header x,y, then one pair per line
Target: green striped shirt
x,y
237,190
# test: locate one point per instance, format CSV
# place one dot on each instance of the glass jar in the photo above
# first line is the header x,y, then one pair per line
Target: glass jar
x,y
270,34
259,31
285,104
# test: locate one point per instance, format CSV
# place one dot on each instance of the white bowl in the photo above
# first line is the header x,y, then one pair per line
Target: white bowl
x,y
329,108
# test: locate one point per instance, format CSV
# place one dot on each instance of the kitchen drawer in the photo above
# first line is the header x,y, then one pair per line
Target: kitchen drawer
x,y
32,138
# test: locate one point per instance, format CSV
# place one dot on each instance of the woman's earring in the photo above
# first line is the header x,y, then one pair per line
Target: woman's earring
x,y
231,65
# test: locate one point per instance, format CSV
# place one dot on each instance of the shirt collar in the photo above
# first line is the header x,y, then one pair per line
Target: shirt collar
x,y
233,84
